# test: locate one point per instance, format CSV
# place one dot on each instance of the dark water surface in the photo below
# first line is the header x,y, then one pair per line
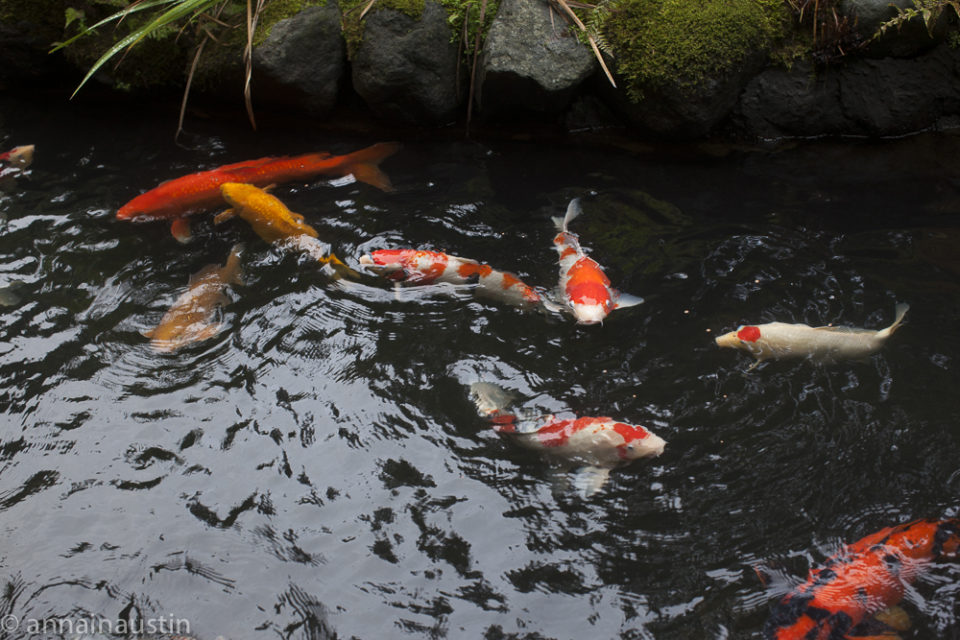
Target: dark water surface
x,y
317,470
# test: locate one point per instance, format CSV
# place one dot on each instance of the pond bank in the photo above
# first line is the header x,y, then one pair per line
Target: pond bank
x,y
532,71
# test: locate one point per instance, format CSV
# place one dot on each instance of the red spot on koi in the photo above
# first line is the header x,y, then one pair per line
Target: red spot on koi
x,y
469,269
749,334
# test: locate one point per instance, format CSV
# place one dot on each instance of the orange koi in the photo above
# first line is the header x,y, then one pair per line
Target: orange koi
x,y
597,444
864,579
585,287
178,198
192,317
417,266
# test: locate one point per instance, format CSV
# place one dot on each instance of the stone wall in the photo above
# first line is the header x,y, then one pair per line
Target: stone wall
x,y
532,67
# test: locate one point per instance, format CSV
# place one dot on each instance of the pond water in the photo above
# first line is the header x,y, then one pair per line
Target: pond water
x,y
317,470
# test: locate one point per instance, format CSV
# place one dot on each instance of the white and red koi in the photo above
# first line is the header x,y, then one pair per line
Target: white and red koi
x,y
782,340
584,286
596,444
417,266
18,158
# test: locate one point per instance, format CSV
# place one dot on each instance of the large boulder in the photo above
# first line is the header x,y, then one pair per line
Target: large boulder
x,y
530,62
682,65
302,62
406,69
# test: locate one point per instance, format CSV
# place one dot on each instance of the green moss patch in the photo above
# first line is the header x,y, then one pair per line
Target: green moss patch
x,y
681,42
352,25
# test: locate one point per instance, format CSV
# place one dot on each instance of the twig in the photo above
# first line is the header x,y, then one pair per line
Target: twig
x,y
596,50
476,54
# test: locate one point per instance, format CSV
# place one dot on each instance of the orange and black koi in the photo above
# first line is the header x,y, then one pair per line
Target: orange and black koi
x,y
865,578
417,266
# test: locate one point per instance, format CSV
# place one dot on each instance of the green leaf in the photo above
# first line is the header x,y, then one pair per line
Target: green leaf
x,y
181,9
71,15
140,6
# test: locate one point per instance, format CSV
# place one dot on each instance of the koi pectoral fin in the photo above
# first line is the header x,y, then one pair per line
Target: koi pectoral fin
x,y
625,300
589,480
223,216
180,228
894,617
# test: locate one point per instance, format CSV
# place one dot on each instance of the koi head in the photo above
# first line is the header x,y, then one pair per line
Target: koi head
x,y
19,157
638,442
407,264
387,262
237,193
744,338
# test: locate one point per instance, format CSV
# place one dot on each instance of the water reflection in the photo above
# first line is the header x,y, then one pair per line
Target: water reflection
x,y
317,469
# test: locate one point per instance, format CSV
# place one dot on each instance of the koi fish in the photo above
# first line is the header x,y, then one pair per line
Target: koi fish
x,y
782,340
417,266
274,222
18,157
584,286
180,197
596,444
864,579
191,317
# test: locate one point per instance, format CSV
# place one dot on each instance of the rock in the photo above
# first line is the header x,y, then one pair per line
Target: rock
x,y
530,62
406,69
679,110
898,96
790,102
869,97
302,62
910,39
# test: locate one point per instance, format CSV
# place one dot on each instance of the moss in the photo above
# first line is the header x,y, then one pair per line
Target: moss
x,y
352,25
278,10
681,42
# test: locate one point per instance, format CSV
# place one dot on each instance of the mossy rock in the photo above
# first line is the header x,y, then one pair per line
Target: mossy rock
x,y
682,42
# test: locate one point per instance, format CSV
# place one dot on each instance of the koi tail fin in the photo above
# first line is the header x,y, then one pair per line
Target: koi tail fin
x,y
573,210
365,164
231,270
901,311
491,401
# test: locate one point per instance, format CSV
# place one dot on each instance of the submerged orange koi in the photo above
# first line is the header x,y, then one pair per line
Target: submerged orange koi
x,y
864,579
585,287
425,267
180,197
192,317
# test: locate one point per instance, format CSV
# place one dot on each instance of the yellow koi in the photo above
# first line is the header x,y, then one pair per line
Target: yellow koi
x,y
273,221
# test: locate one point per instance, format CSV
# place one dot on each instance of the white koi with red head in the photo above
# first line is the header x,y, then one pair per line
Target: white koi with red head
x,y
775,340
596,444
583,284
18,157
417,266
